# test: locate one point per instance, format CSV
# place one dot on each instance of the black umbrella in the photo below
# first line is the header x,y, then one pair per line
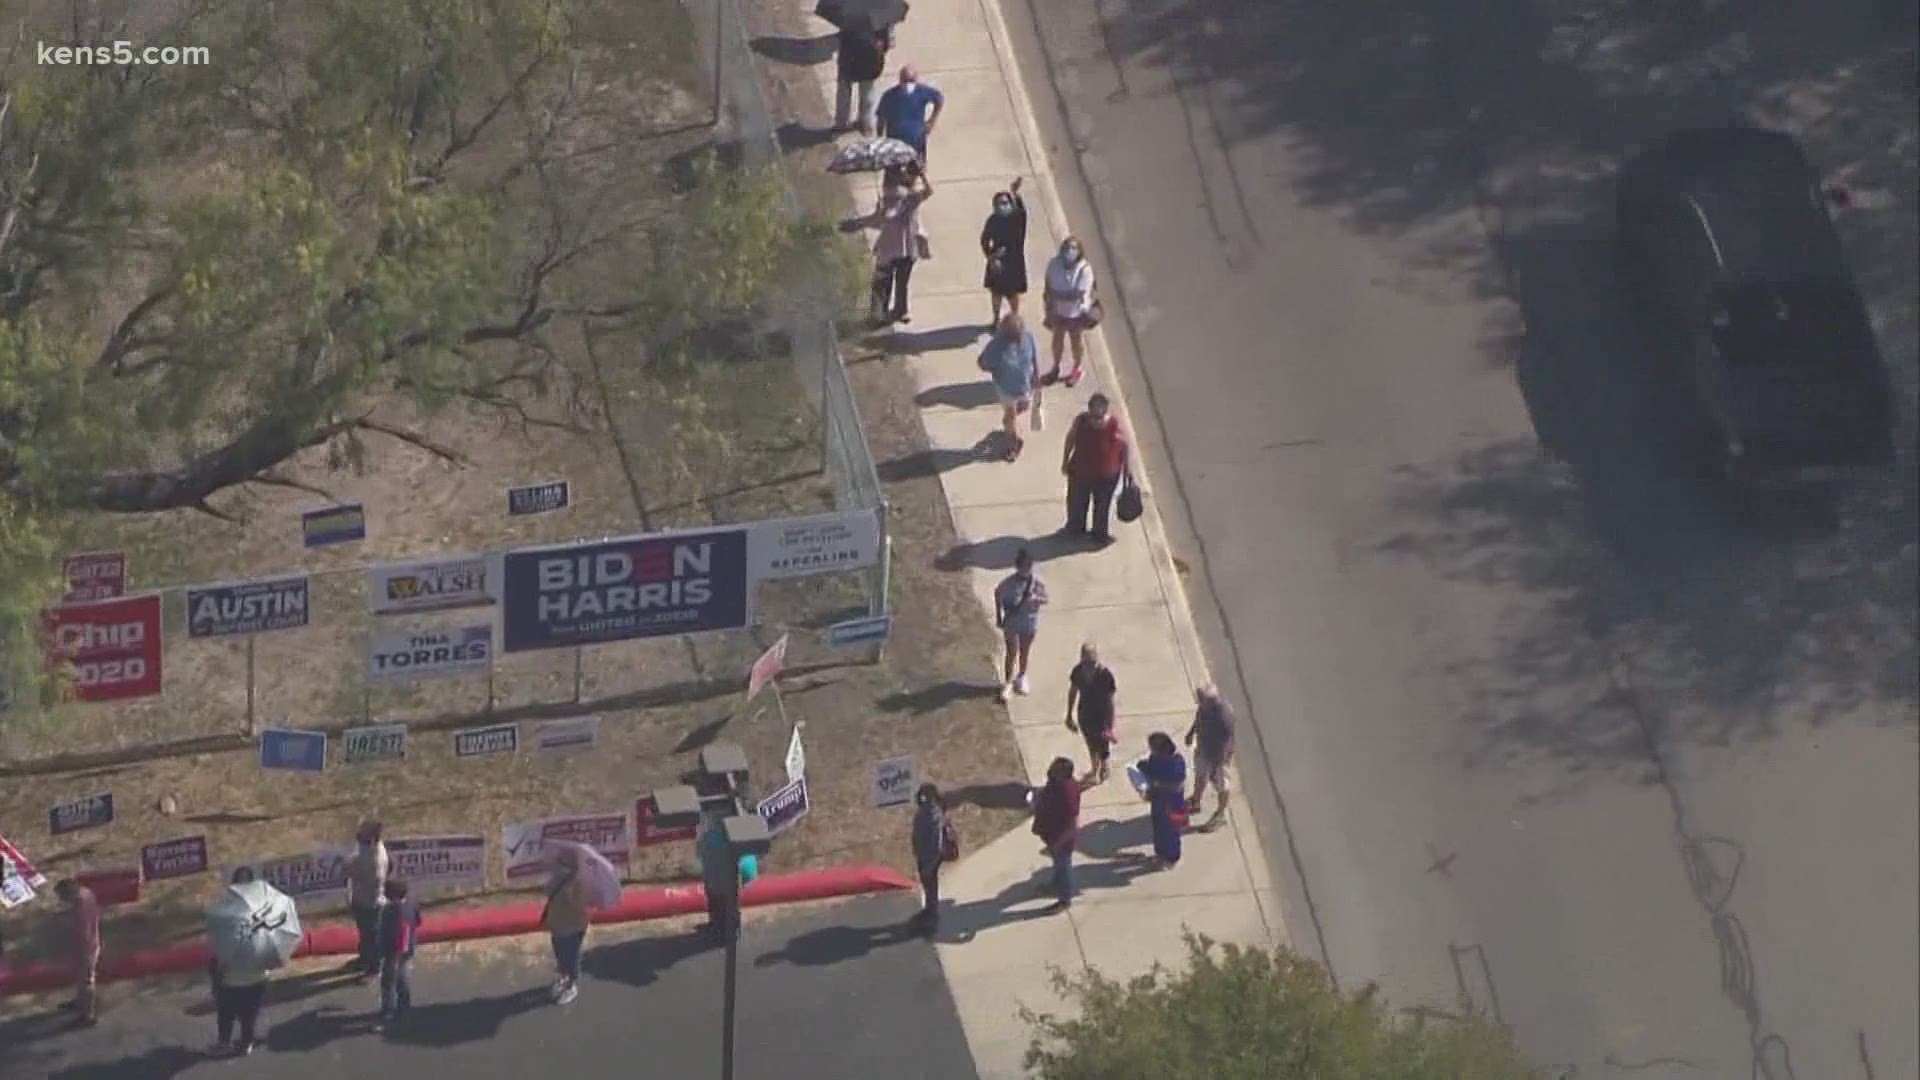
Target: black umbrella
x,y
862,14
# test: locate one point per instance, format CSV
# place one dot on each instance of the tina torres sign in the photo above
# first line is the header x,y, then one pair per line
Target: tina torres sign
x,y
631,587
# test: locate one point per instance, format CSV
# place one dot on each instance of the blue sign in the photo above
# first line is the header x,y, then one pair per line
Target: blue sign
x,y
246,607
854,631
85,812
632,587
538,498
300,751
783,809
334,525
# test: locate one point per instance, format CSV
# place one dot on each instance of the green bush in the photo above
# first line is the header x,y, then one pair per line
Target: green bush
x,y
1252,1014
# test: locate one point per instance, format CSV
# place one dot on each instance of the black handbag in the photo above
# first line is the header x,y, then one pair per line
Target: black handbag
x,y
1127,506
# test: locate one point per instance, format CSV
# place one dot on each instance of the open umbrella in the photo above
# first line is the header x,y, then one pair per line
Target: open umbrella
x,y
862,14
603,881
252,926
872,155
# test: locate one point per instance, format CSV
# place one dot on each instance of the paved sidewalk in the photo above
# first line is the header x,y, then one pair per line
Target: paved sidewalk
x,y
1128,598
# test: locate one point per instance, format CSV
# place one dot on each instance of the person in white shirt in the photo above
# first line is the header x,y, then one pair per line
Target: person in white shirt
x,y
1070,306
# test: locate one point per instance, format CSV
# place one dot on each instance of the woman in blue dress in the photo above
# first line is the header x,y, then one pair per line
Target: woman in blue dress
x,y
1166,775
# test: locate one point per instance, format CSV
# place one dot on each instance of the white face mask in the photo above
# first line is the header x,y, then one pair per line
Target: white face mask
x,y
1071,254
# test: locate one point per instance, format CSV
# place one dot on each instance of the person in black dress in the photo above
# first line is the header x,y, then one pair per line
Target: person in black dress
x,y
1090,694
1003,240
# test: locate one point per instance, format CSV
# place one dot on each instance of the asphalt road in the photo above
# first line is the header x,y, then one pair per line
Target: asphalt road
x,y
1546,726
835,992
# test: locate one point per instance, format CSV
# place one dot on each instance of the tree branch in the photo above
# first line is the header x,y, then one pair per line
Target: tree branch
x,y
446,453
277,480
122,341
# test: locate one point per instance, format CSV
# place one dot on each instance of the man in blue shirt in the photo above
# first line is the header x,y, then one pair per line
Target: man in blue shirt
x,y
902,111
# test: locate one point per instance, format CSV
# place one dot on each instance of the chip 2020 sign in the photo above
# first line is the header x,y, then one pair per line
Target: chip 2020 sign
x,y
631,587
112,646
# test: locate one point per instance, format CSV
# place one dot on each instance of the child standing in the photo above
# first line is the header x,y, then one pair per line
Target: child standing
x,y
399,936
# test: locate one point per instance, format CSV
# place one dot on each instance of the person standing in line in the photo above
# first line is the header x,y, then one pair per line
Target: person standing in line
x,y
1012,360
238,994
565,918
1091,686
720,875
935,842
900,241
1165,772
1211,737
399,937
1003,240
366,878
902,112
1056,821
1096,455
861,59
1017,603
84,908
1069,306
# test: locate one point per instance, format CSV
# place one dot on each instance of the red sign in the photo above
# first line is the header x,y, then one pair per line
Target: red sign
x,y
647,834
767,668
95,575
112,887
113,646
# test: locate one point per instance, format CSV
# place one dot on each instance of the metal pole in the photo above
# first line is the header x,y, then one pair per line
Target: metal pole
x,y
719,53
490,694
780,702
726,1010
252,723
578,650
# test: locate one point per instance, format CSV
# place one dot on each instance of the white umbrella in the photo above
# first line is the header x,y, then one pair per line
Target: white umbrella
x,y
872,155
602,880
253,927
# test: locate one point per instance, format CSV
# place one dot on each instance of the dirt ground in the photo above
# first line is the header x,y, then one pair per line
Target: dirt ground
x,y
718,442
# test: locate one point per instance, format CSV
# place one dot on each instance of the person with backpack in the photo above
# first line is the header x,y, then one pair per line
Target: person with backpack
x,y
399,937
935,842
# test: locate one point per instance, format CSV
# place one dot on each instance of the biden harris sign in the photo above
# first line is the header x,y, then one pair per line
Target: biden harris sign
x,y
632,587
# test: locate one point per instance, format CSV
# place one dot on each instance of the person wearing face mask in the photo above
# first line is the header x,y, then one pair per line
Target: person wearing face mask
x,y
1012,361
1003,240
901,240
1070,306
902,111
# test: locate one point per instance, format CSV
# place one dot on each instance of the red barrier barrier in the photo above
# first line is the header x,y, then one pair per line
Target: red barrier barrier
x,y
338,939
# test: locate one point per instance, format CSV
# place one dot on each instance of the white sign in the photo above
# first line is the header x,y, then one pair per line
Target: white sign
x,y
893,782
578,733
609,834
796,757
428,654
459,582
439,863
493,739
314,878
822,544
381,742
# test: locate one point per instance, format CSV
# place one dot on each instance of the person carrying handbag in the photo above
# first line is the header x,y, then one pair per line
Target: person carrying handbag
x,y
901,241
1095,459
935,843
1091,687
1072,307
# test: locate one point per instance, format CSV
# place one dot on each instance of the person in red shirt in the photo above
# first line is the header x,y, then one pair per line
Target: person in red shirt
x,y
86,947
1097,454
1056,821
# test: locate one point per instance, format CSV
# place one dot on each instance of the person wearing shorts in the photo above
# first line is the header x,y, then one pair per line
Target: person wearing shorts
x,y
1211,737
1090,693
1017,601
1012,361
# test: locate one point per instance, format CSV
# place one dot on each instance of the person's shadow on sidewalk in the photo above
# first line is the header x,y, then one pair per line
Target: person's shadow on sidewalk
x,y
159,1063
640,961
961,923
833,944
998,553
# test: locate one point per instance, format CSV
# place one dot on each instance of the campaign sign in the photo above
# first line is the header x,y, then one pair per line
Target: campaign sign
x,y
439,863
298,751
608,834
310,878
498,739
428,654
380,742
538,498
821,544
631,587
428,586
577,733
893,782
334,525
246,607
112,645
85,812
783,809
647,834
95,575
767,668
18,878
184,857
796,756
855,631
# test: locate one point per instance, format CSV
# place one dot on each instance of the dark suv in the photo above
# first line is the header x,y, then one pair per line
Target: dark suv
x,y
1725,243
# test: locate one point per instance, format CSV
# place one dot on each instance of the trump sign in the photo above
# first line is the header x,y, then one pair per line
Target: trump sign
x,y
632,587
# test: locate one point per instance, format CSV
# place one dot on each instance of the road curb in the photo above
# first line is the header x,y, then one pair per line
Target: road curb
x,y
504,920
